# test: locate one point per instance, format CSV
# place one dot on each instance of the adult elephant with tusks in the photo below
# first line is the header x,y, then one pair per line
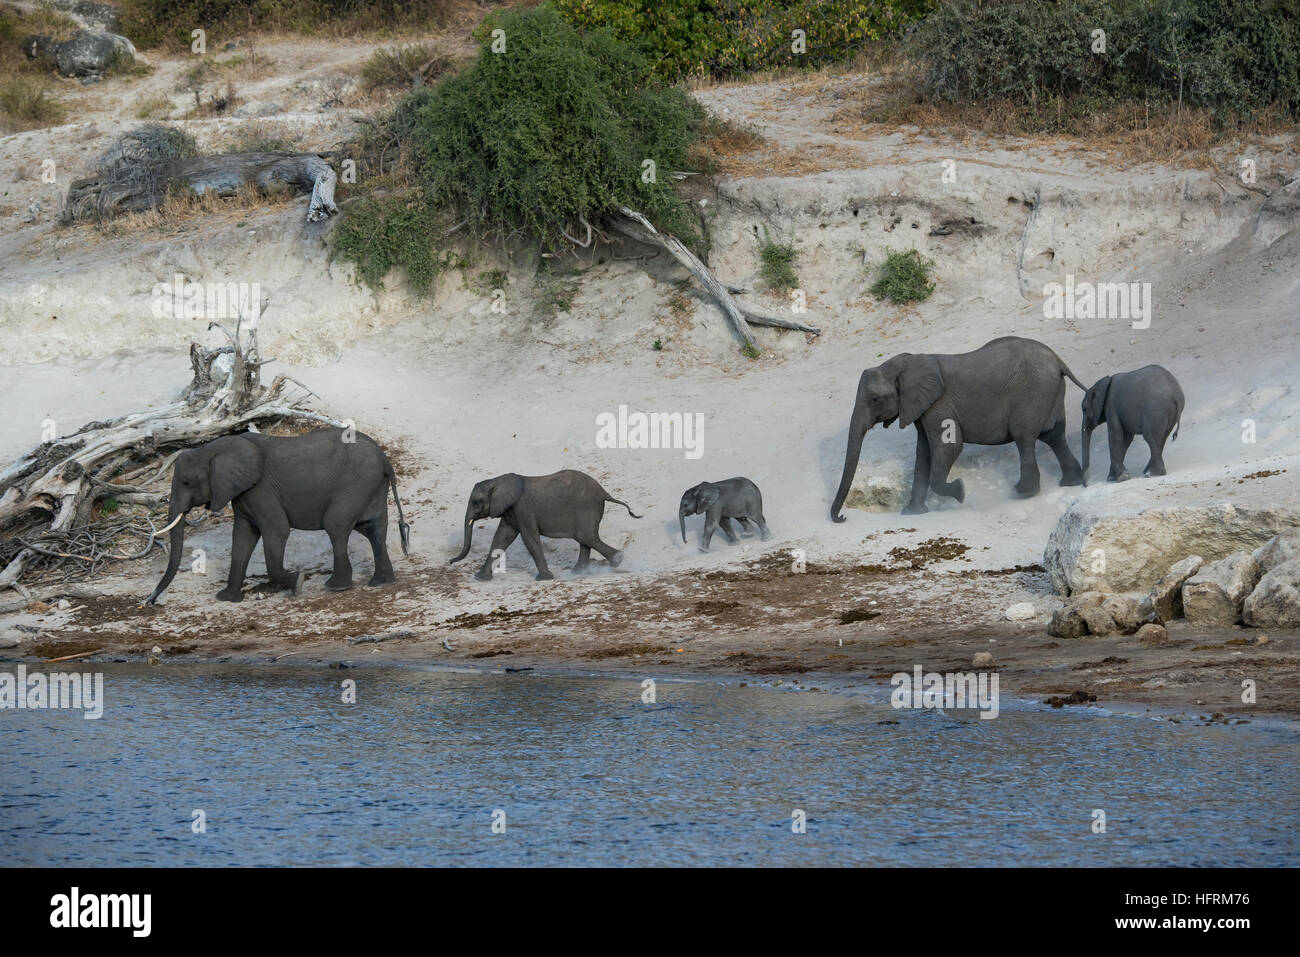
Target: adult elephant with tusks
x,y
332,479
1008,390
567,504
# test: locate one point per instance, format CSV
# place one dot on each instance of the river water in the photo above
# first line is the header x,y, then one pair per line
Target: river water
x,y
581,771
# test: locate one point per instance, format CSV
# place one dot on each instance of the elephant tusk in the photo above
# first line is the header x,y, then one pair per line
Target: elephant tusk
x,y
170,525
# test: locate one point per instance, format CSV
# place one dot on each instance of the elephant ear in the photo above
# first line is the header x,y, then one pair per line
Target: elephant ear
x,y
1095,401
919,386
505,492
708,497
233,470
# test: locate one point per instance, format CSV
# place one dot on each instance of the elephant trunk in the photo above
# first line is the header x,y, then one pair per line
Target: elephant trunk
x,y
469,534
1087,449
176,522
681,517
858,426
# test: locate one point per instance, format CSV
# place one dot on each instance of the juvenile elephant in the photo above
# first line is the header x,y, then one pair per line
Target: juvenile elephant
x,y
1008,390
1147,402
565,504
331,478
737,498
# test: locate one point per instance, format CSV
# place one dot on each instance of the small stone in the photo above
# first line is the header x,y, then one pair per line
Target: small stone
x,y
63,604
1021,611
982,660
1153,634
1261,639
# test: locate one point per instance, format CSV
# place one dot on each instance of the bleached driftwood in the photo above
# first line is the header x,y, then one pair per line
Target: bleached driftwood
x,y
63,479
105,195
630,223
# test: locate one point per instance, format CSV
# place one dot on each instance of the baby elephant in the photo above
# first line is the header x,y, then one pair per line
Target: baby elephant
x,y
737,498
564,504
1146,402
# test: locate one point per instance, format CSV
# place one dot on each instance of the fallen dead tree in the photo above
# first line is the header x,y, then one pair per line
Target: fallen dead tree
x,y
48,497
633,225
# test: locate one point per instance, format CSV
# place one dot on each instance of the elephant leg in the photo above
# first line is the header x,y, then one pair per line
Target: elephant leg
x,y
943,455
1030,481
1120,439
341,579
612,554
710,526
584,558
533,542
761,522
275,535
376,532
243,541
745,527
505,535
920,474
728,529
1071,470
1156,465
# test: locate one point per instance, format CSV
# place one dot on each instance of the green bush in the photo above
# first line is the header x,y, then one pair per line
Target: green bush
x,y
777,264
1231,56
380,234
528,143
904,276
726,37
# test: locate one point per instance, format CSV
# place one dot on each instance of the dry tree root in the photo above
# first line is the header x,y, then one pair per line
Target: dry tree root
x,y
48,496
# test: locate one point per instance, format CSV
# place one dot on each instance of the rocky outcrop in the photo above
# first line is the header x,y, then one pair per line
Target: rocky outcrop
x,y
85,53
1275,602
1117,543
1214,595
1165,600
1094,614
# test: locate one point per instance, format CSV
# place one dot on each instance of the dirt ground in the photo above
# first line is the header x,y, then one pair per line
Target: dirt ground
x,y
763,622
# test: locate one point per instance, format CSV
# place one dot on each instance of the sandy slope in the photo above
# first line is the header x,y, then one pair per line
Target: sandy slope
x,y
463,393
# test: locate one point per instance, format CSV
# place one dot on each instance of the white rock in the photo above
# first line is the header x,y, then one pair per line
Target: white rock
x,y
1275,602
1021,611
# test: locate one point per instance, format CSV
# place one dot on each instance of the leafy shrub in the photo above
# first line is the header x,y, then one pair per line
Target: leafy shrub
x,y
528,143
399,66
777,264
726,37
904,276
380,234
1233,56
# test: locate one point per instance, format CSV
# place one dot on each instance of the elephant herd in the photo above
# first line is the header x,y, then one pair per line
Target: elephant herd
x,y
1010,390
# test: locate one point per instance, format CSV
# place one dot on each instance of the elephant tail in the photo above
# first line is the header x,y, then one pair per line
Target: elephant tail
x,y
1070,375
1177,424
401,519
625,505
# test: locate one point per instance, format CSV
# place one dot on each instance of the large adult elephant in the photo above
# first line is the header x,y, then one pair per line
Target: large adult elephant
x,y
1008,390
332,479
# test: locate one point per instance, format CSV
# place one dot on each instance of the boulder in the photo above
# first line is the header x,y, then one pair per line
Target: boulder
x,y
1278,549
983,659
1112,540
1021,611
1165,600
1093,614
1214,595
1153,634
1275,602
85,53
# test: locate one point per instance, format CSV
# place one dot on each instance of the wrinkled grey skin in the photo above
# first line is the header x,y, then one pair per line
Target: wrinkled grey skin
x,y
565,504
737,498
1147,402
277,483
1008,390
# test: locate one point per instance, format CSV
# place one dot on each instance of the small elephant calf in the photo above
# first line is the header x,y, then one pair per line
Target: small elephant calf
x,y
737,498
1146,402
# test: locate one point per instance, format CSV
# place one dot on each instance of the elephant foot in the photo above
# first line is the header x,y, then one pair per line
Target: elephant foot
x,y
295,585
1027,489
616,559
1072,480
957,490
911,509
1154,470
1121,477
545,577
230,594
766,535
338,584
379,579
704,549
484,574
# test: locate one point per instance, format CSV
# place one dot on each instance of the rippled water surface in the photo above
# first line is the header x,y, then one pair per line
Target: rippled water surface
x,y
286,773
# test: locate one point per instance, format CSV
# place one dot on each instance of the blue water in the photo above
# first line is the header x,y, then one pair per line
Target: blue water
x,y
286,773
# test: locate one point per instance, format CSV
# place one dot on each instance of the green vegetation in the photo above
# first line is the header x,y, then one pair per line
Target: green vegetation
x,y
526,145
1233,57
399,66
709,38
777,267
554,294
904,276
